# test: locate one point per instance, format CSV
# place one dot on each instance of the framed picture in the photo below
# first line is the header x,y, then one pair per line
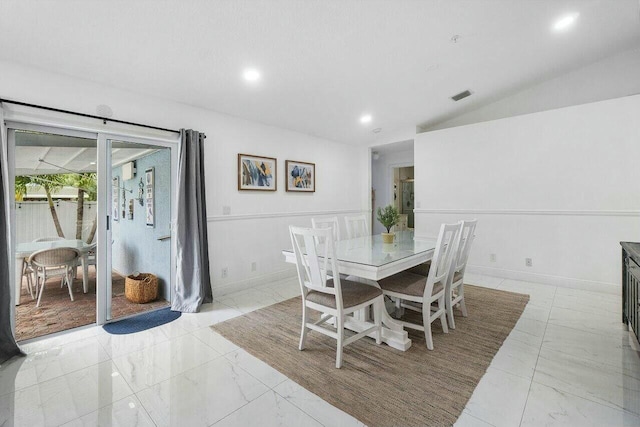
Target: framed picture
x,y
301,176
115,199
149,197
257,173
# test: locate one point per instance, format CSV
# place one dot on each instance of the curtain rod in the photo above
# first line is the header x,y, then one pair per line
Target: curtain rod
x,y
104,119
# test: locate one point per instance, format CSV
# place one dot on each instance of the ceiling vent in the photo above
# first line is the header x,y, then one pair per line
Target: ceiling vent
x,y
461,95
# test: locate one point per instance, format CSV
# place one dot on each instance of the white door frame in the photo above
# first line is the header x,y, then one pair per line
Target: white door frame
x,y
105,222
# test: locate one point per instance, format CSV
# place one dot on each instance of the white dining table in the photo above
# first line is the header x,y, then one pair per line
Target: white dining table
x,y
24,250
370,260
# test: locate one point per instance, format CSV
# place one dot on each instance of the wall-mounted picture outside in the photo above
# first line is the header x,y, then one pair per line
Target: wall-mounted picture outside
x,y
301,176
257,173
115,198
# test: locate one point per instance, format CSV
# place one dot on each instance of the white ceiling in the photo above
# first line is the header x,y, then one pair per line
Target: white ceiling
x,y
46,154
324,63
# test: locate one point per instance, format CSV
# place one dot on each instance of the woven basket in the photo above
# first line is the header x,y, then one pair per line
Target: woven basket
x,y
142,288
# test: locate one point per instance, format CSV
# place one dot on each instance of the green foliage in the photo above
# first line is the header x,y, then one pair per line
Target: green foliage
x,y
21,187
388,216
87,182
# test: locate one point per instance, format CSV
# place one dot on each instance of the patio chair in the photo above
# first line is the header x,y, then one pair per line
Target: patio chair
x,y
50,263
27,271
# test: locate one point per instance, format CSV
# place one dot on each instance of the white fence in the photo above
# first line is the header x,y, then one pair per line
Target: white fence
x,y
33,219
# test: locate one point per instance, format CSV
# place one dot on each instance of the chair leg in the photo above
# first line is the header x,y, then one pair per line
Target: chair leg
x,y
426,319
399,312
449,308
463,306
69,280
340,331
29,282
303,333
443,316
378,306
44,279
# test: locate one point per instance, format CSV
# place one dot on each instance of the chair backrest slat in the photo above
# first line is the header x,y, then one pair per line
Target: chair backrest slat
x,y
446,246
314,249
331,222
466,239
356,226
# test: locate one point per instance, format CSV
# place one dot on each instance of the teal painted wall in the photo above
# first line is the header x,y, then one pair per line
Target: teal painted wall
x,y
135,246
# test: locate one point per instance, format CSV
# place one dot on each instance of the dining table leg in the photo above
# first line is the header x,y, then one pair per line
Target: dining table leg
x,y
393,334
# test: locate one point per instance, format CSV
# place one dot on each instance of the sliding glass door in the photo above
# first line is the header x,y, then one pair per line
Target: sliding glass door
x,y
108,198
54,217
139,200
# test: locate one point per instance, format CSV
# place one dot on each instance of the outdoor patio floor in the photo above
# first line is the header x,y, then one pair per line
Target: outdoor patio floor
x,y
58,313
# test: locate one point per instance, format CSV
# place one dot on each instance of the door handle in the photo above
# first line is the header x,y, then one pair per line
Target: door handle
x,y
108,222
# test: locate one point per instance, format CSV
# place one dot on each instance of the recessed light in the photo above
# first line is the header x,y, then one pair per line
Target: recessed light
x,y
251,75
92,163
366,118
565,22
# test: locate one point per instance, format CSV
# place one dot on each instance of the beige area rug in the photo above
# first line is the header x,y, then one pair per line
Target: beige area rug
x,y
378,385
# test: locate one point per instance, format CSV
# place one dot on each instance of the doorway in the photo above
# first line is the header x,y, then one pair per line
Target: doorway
x,y
64,188
403,195
140,204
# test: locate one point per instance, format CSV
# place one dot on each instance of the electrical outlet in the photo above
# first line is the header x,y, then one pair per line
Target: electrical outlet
x,y
225,272
254,266
226,210
492,257
528,262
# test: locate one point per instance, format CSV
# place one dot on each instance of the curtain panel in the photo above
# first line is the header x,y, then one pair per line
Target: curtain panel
x,y
193,282
8,345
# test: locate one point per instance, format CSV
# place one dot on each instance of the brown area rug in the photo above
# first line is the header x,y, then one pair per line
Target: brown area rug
x,y
378,385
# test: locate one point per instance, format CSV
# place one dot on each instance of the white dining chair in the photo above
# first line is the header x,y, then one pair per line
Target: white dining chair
x,y
424,291
333,297
331,222
356,226
454,294
58,262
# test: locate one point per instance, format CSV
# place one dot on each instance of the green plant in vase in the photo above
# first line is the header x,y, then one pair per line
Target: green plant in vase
x,y
388,216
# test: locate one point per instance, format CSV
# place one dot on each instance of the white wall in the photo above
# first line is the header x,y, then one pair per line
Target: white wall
x,y
609,78
382,179
561,187
33,220
256,230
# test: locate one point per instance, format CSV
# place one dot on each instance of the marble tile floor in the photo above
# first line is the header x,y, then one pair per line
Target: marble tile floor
x,y
568,361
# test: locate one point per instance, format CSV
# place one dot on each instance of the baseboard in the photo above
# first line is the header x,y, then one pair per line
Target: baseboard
x,y
565,282
252,282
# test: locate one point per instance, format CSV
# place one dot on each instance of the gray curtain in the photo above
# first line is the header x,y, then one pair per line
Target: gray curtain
x,y
8,346
193,283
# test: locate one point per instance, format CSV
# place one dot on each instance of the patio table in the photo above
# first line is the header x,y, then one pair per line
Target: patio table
x,y
24,250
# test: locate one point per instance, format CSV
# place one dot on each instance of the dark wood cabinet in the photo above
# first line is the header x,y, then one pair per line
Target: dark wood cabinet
x,y
630,286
